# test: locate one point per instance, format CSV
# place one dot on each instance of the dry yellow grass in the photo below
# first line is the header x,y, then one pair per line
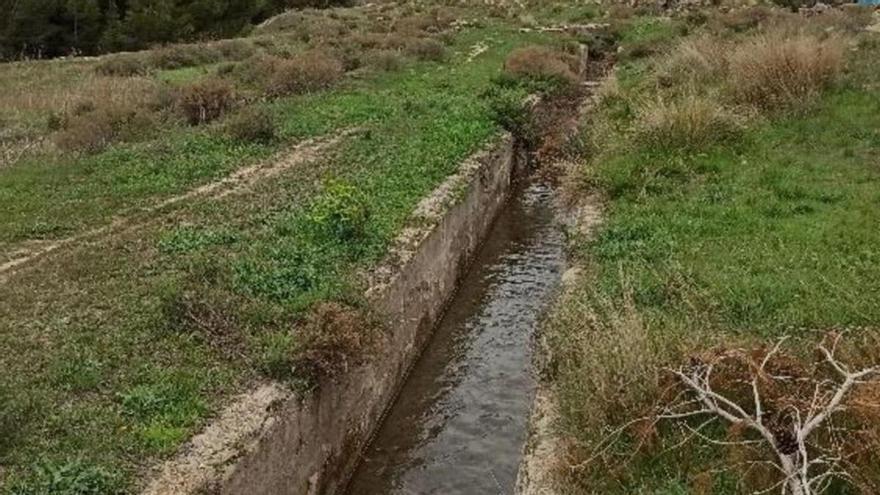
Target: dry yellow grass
x,y
772,72
695,61
693,121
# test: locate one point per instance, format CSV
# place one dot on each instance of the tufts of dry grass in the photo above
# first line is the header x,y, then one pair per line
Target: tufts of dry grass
x,y
603,350
700,60
309,71
691,122
332,339
205,100
772,72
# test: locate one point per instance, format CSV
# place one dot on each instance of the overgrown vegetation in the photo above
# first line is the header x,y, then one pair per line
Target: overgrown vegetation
x,y
219,252
739,185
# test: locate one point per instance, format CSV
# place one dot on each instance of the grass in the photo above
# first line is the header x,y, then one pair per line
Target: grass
x,y
712,239
151,329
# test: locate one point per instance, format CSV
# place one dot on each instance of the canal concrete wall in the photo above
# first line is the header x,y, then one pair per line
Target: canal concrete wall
x,y
273,441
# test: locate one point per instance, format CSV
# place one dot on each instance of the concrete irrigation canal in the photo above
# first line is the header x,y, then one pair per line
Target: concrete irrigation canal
x,y
459,423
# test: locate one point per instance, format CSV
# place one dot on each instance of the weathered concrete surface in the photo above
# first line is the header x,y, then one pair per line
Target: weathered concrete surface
x,y
278,443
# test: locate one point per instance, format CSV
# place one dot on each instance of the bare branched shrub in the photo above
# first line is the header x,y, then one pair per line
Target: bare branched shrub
x,y
206,100
772,72
691,122
794,417
310,71
543,63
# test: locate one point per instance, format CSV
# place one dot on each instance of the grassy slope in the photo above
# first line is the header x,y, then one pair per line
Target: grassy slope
x,y
773,235
94,369
776,234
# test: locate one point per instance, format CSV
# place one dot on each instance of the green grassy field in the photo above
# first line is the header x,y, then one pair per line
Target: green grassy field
x,y
118,346
725,232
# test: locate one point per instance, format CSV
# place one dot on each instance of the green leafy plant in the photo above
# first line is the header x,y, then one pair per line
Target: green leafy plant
x,y
340,213
75,477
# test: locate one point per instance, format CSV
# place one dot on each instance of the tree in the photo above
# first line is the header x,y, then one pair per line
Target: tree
x,y
85,23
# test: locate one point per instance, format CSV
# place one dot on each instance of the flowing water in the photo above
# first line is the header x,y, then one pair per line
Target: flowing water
x,y
460,421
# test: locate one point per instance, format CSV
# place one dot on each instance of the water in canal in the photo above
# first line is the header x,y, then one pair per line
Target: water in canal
x,y
460,421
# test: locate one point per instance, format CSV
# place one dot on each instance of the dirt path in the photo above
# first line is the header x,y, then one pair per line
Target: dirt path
x,y
237,182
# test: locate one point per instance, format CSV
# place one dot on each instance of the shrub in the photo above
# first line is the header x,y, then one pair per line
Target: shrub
x,y
333,338
256,70
309,71
122,65
251,124
426,49
542,64
692,122
93,131
177,56
205,101
277,355
234,49
340,213
387,60
511,111
772,72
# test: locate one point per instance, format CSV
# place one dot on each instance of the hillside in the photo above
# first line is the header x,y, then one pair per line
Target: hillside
x,y
189,223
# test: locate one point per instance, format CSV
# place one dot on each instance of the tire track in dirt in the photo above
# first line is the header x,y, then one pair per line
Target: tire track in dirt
x,y
238,181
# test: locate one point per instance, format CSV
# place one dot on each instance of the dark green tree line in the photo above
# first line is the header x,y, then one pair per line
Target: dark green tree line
x,y
51,28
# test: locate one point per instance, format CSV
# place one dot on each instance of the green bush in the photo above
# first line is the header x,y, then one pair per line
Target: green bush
x,y
277,355
509,107
340,213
